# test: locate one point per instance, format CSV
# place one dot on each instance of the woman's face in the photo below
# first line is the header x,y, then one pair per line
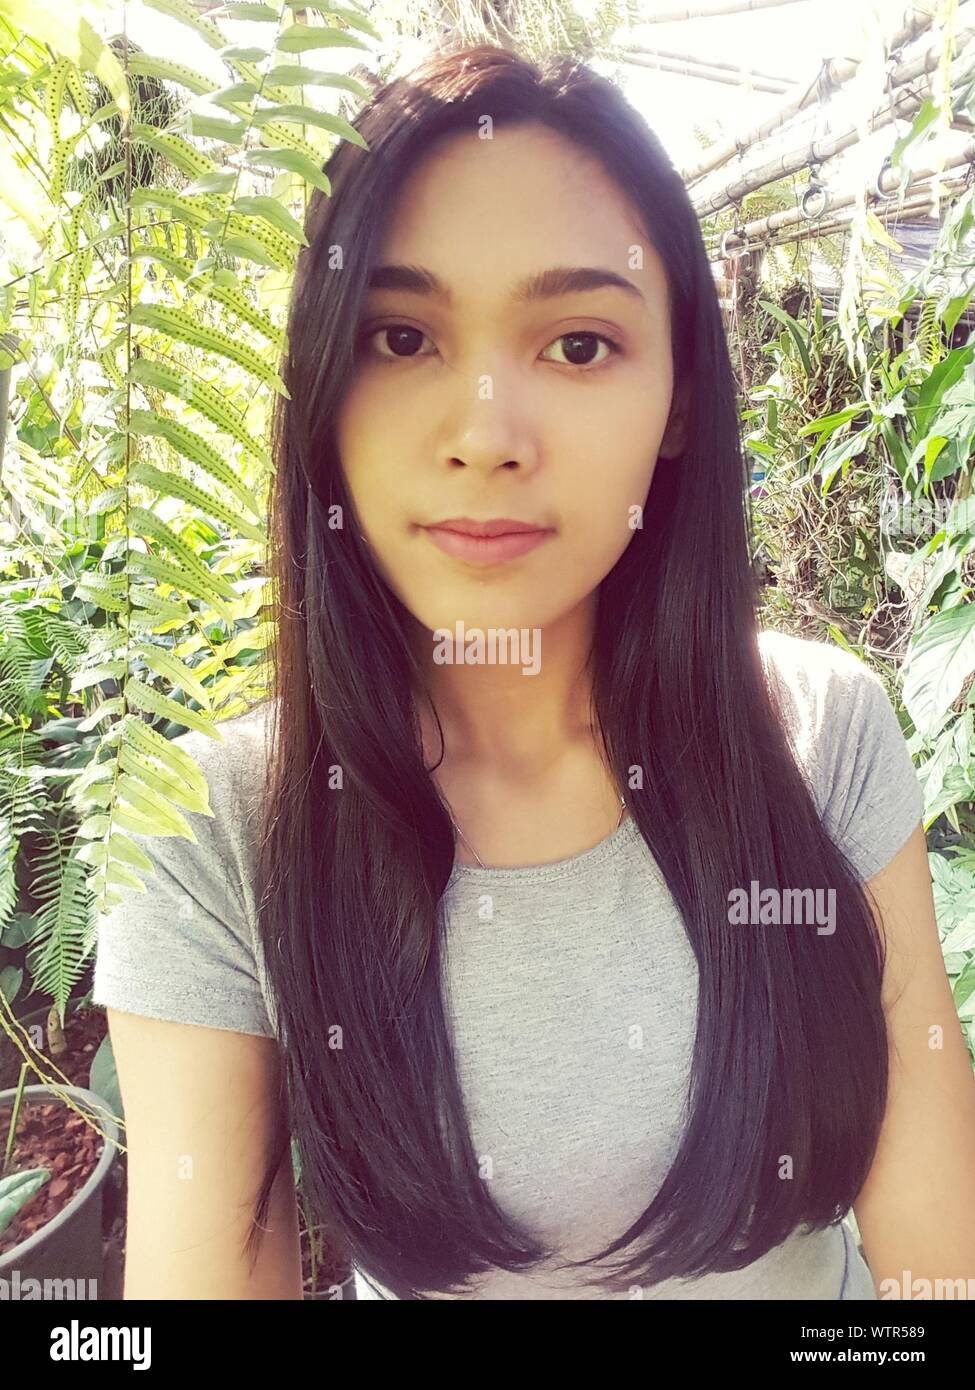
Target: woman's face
x,y
482,403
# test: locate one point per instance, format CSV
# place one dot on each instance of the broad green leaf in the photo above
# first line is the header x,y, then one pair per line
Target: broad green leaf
x,y
235,94
180,578
356,19
105,709
125,848
881,235
830,423
215,128
157,779
168,750
237,11
247,248
188,158
239,53
17,1189
939,661
235,300
114,872
202,396
106,671
938,380
197,213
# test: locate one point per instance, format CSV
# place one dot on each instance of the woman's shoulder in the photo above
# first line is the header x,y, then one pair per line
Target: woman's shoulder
x,y
185,945
849,743
822,690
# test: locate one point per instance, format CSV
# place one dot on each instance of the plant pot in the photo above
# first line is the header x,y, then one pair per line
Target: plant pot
x,y
69,1246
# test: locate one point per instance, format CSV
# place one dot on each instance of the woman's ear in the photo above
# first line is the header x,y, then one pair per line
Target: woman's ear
x,y
674,441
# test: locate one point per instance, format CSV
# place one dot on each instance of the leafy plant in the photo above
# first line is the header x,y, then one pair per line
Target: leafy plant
x,y
141,327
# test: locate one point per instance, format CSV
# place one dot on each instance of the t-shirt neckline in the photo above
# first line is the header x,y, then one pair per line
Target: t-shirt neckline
x,y
557,868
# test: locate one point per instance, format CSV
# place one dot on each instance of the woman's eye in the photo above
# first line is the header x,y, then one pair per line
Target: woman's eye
x,y
403,341
400,338
582,347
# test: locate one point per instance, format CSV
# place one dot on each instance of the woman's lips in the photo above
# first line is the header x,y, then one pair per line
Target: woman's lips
x,y
485,550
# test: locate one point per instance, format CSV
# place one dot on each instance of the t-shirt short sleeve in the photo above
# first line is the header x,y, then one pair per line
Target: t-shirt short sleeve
x,y
847,734
184,950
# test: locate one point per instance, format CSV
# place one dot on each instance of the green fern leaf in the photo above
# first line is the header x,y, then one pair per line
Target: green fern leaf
x,y
301,38
188,158
193,447
172,485
179,578
273,212
144,65
180,324
168,750
201,396
158,779
147,815
294,160
175,671
144,697
187,13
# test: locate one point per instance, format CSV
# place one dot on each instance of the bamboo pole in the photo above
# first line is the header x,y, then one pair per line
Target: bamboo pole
x,y
835,72
712,11
741,79
636,48
948,189
902,104
775,221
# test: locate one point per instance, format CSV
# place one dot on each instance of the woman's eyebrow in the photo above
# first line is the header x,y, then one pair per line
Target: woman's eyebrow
x,y
544,284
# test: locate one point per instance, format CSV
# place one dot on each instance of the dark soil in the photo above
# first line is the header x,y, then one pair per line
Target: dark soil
x,y
51,1136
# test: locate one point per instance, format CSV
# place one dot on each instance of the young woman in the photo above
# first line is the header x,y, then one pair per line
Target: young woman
x,y
580,934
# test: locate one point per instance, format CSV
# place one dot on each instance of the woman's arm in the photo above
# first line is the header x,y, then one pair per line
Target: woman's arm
x,y
916,1211
201,1120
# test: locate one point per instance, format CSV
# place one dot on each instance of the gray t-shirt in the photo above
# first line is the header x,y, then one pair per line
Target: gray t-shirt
x,y
571,987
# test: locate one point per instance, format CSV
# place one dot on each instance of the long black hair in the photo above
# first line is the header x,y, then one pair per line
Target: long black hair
x,y
790,1057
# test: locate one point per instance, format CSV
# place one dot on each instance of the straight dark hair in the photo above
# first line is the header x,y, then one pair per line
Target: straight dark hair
x,y
790,1057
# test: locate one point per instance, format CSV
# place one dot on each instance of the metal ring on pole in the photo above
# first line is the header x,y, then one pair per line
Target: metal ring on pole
x,y
723,251
810,193
896,193
726,253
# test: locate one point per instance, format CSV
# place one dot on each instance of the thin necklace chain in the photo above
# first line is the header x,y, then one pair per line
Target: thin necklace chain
x,y
478,857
